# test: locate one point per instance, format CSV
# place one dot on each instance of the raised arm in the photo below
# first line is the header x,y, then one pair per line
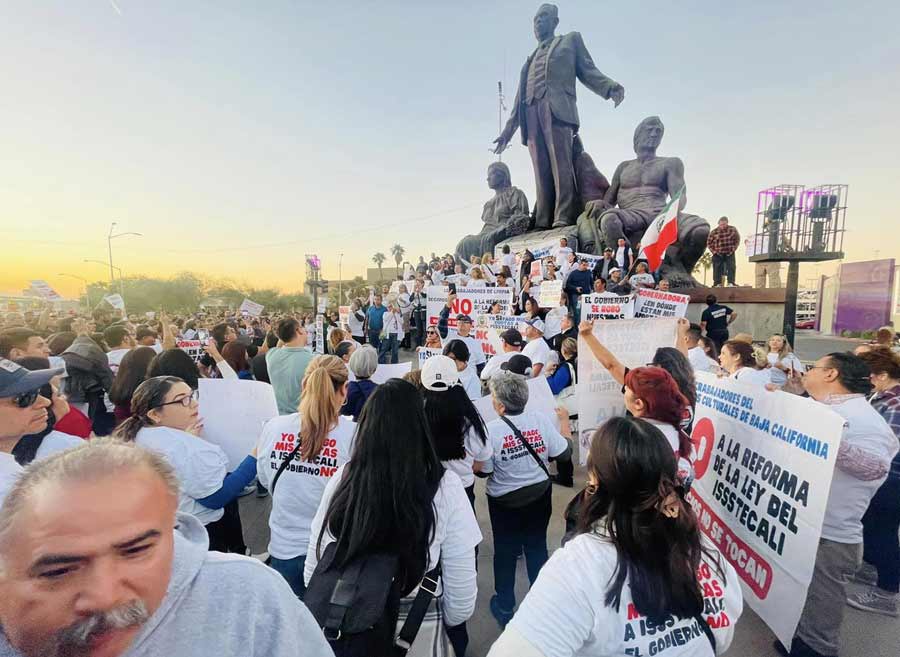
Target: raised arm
x,y
601,353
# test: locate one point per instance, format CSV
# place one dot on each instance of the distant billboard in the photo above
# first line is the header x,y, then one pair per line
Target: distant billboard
x,y
865,295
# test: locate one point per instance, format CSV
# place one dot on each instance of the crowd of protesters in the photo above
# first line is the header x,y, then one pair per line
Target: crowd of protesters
x,y
377,482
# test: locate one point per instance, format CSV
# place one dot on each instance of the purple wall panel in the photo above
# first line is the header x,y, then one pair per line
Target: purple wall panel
x,y
864,296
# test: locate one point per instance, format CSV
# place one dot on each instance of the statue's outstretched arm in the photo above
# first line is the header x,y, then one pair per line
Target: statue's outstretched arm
x,y
590,77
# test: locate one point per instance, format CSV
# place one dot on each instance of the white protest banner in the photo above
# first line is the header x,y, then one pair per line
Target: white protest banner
x,y
395,371
536,273
115,300
425,353
592,259
344,315
322,305
251,308
550,293
408,272
606,306
395,288
43,290
320,334
540,400
470,301
657,303
234,412
488,329
194,348
545,248
764,462
756,244
633,342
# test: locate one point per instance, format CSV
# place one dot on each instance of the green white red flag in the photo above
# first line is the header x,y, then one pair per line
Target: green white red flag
x,y
661,233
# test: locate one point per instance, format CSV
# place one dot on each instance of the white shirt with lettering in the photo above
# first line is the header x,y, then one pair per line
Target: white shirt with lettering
x,y
565,615
301,485
513,465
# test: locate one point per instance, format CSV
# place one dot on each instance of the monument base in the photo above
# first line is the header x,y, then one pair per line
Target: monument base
x,y
541,243
760,311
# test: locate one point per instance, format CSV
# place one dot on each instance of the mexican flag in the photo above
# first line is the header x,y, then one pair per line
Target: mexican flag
x,y
661,234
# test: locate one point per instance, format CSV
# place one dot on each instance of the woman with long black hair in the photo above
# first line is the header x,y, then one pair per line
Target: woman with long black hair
x,y
457,429
396,497
131,373
641,562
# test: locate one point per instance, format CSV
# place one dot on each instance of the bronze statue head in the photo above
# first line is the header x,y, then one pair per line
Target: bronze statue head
x,y
498,176
648,134
545,21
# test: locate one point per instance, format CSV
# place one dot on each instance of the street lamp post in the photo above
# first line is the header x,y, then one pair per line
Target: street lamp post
x,y
87,292
109,238
112,280
340,279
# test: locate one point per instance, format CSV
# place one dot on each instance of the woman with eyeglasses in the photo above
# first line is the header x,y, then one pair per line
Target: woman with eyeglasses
x,y
165,419
432,338
647,581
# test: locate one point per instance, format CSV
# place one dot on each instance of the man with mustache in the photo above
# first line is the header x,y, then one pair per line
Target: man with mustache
x,y
84,572
23,411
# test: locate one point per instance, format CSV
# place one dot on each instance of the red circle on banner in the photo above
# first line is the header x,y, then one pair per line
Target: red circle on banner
x,y
703,437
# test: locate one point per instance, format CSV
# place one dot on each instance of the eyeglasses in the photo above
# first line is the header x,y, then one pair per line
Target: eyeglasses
x,y
185,401
26,399
431,332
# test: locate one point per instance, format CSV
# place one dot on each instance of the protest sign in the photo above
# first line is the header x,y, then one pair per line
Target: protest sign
x,y
234,412
550,293
488,329
251,308
470,301
540,400
425,353
757,244
657,303
322,305
115,300
395,288
536,273
43,290
606,306
194,348
764,462
633,342
344,315
395,371
320,334
592,259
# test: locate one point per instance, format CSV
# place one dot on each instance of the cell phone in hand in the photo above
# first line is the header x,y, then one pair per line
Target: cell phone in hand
x,y
452,288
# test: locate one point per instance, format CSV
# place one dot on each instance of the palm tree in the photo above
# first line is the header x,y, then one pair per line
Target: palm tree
x,y
398,252
379,259
705,262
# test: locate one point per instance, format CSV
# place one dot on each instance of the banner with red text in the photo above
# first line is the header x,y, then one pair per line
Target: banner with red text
x,y
470,301
657,303
763,468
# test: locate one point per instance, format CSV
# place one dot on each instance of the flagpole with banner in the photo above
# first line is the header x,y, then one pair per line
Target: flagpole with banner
x,y
660,234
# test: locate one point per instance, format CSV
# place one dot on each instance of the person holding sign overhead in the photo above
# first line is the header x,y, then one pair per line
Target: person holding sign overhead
x,y
462,332
164,419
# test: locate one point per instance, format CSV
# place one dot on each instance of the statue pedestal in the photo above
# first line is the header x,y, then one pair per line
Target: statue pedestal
x,y
760,310
541,243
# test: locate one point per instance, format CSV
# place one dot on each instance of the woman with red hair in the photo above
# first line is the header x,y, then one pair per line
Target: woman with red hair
x,y
652,395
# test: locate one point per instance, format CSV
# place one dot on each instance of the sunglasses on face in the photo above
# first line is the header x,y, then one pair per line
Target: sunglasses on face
x,y
26,399
185,401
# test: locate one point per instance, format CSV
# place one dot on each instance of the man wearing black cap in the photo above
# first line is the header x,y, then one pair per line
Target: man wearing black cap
x,y
601,269
462,332
512,344
23,411
518,364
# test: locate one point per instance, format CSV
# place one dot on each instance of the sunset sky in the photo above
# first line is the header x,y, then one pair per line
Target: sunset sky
x,y
237,136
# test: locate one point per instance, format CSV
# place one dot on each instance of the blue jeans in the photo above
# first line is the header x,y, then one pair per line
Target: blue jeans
x,y
389,344
375,339
292,571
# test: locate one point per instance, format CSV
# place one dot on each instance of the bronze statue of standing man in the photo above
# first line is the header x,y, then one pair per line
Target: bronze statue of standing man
x,y
546,114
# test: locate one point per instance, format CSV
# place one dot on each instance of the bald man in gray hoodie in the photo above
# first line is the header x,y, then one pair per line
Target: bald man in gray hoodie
x,y
90,564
